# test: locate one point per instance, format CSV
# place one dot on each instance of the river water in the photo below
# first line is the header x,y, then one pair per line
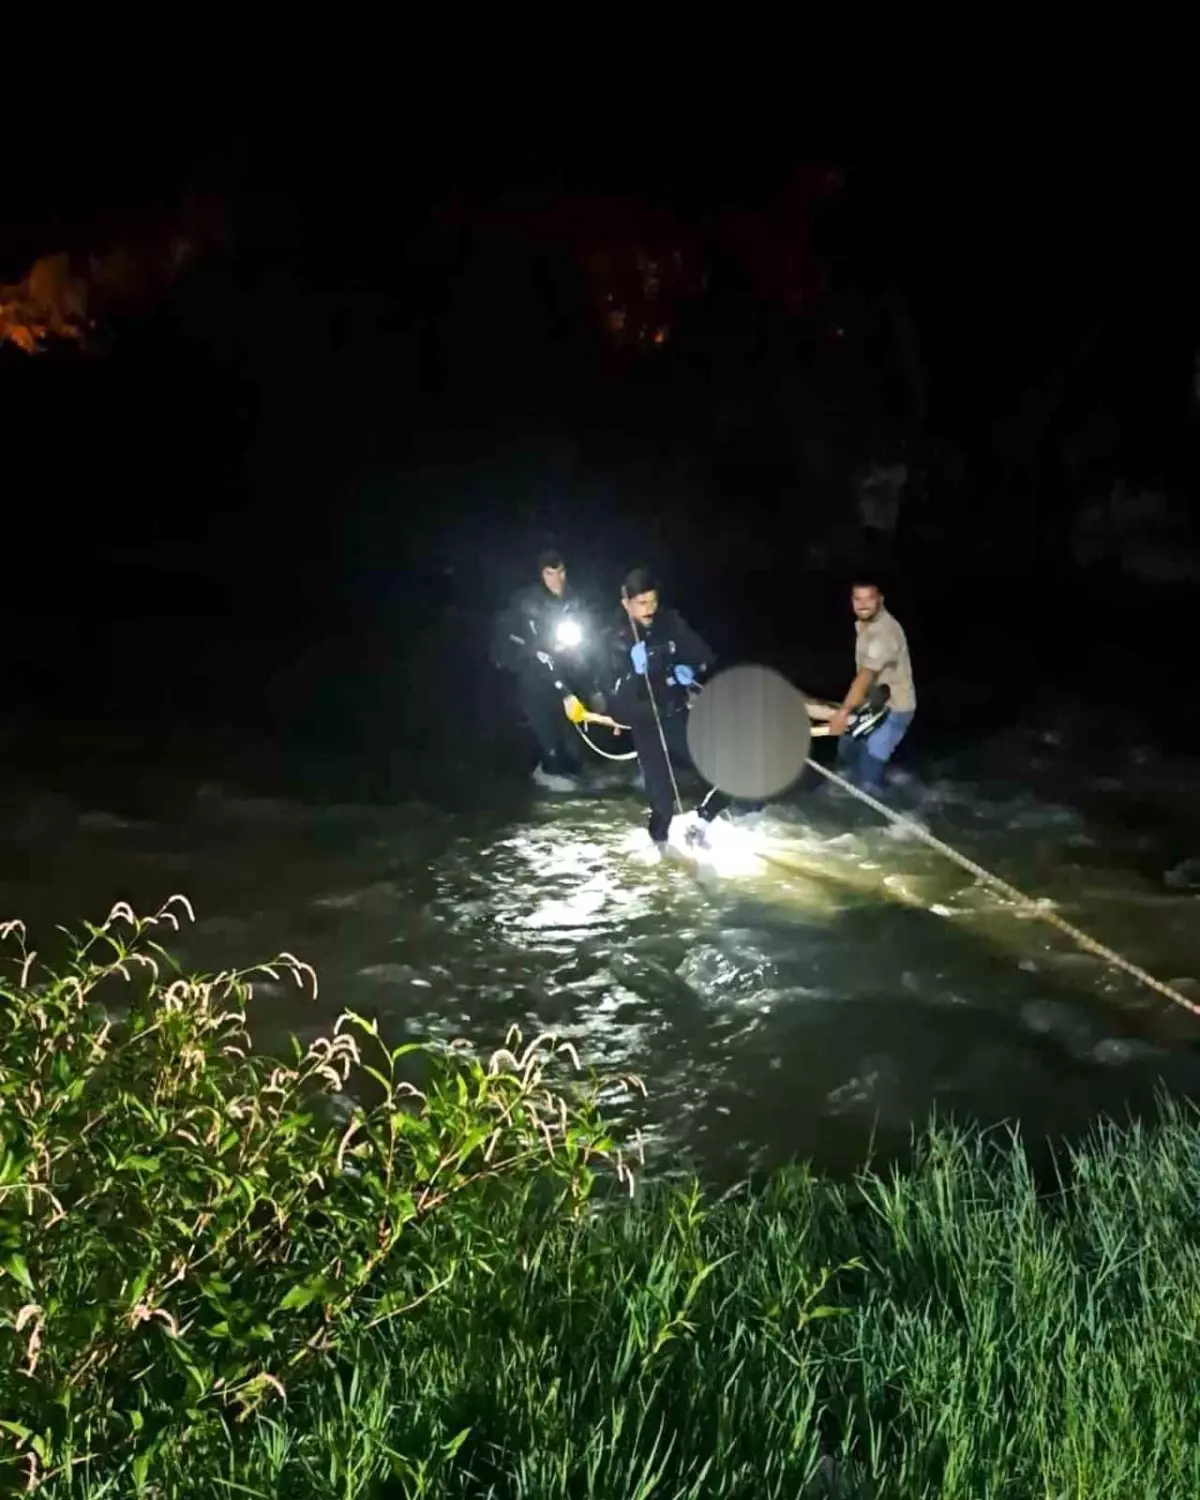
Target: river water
x,y
809,1006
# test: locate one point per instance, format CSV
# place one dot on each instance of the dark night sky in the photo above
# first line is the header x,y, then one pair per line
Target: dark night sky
x,y
389,364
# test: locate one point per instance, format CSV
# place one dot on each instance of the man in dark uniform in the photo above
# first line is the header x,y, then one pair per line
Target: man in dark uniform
x,y
656,657
546,640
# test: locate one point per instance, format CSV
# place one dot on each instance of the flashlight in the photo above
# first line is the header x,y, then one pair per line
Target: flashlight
x,y
568,635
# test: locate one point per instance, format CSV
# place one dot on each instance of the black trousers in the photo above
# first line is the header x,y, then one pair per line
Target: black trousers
x,y
657,773
541,703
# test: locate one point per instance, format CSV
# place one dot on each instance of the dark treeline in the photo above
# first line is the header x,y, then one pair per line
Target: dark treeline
x,y
343,426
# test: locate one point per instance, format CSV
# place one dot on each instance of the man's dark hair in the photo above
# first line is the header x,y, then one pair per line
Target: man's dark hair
x,y
639,581
866,583
549,557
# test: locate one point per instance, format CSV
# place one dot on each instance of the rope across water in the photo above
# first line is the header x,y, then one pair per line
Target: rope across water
x,y
1038,908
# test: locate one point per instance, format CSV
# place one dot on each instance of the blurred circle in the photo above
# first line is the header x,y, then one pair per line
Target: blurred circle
x,y
748,732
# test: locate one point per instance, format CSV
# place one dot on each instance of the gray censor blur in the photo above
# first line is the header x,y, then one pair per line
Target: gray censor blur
x,y
748,732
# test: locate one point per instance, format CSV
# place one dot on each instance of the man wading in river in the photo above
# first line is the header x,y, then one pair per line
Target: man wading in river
x,y
656,658
884,673
546,640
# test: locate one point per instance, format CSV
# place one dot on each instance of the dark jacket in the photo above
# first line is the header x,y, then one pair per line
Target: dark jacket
x,y
669,639
530,624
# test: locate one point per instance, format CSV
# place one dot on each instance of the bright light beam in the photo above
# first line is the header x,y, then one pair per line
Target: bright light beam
x,y
568,635
719,846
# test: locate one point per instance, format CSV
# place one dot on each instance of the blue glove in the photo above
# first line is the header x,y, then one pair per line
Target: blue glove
x,y
684,676
637,655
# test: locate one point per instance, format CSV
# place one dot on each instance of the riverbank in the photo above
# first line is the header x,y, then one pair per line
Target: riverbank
x,y
218,1279
960,1331
951,1333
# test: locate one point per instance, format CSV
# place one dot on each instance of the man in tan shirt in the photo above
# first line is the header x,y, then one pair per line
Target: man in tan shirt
x,y
882,659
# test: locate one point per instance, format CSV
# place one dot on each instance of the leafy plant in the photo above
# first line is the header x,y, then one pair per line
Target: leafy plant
x,y
189,1231
218,1278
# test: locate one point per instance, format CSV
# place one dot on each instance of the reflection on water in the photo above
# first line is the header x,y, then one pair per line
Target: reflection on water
x,y
834,984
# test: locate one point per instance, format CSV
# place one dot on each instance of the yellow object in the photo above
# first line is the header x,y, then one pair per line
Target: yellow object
x,y
575,710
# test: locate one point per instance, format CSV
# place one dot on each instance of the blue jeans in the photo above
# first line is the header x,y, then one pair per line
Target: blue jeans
x,y
862,761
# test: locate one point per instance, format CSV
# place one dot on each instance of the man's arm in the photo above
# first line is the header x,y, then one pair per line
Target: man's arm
x,y
510,643
878,653
855,698
595,659
621,682
691,648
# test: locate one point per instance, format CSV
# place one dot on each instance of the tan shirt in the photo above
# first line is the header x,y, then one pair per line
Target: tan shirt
x,y
882,646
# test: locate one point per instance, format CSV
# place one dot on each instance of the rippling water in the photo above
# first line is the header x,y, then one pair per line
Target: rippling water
x,y
808,1003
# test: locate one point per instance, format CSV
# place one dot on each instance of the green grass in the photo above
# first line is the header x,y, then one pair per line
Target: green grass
x,y
978,1339
432,1311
